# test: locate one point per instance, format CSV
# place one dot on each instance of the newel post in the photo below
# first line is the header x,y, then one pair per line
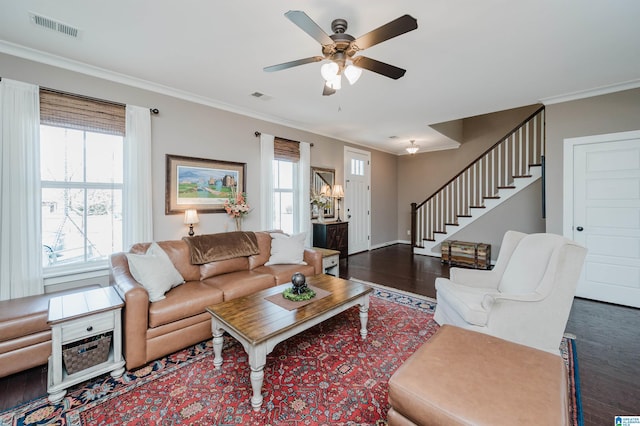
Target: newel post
x,y
413,224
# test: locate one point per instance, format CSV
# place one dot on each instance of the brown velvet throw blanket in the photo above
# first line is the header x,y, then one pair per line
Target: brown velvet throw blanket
x,y
226,245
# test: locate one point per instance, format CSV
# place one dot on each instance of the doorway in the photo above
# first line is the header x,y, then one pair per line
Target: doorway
x,y
602,212
357,197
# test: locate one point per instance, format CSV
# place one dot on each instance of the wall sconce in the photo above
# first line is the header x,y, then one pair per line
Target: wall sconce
x,y
338,194
191,218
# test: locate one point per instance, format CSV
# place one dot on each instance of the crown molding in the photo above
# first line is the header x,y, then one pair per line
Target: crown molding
x,y
602,90
93,71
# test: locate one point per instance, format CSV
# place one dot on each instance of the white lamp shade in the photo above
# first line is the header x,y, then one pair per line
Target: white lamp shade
x,y
325,190
329,70
191,217
337,192
352,73
336,82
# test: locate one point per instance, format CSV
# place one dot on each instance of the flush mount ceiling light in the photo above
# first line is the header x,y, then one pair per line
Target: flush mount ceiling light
x,y
413,148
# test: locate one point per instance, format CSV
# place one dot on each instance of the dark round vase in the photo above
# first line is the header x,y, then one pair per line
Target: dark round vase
x,y
299,282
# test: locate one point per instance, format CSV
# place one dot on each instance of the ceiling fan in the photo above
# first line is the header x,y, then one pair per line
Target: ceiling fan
x,y
339,48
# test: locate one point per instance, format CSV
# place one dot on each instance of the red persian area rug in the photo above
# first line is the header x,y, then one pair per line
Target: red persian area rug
x,y
325,376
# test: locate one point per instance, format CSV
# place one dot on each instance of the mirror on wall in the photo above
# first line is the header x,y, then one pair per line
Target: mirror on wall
x,y
321,180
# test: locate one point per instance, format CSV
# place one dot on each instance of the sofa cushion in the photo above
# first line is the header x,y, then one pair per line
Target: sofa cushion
x,y
188,299
287,249
264,248
27,315
242,283
178,252
23,316
283,273
220,267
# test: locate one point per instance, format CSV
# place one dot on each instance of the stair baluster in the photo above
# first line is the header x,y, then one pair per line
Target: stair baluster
x,y
510,158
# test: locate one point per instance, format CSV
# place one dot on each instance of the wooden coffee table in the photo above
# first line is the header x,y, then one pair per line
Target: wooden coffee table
x,y
260,324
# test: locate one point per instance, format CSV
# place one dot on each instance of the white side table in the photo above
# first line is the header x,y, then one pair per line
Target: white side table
x,y
330,261
75,317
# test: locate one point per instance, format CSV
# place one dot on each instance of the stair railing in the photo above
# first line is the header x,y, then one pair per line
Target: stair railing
x,y
493,170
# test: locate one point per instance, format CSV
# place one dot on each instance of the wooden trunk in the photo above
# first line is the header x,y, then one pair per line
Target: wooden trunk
x,y
461,253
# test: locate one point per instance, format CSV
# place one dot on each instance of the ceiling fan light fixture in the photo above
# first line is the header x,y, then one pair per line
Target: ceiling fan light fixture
x,y
352,73
329,71
335,83
413,148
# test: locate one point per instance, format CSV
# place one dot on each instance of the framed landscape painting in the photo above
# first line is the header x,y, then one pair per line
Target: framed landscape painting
x,y
201,184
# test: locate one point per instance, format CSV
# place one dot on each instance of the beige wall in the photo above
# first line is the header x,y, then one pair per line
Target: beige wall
x,y
421,175
522,212
612,113
191,129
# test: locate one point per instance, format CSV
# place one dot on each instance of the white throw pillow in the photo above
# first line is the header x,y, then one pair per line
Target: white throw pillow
x,y
155,271
287,249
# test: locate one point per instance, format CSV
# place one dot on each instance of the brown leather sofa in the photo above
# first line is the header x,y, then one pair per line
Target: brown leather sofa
x,y
25,335
153,330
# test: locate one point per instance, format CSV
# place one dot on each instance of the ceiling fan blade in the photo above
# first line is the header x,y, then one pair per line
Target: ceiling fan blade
x,y
378,67
307,25
327,91
292,64
392,29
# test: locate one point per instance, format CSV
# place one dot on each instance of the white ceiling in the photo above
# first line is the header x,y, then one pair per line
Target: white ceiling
x,y
467,57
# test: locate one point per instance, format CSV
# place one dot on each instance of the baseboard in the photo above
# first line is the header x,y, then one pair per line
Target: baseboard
x,y
389,243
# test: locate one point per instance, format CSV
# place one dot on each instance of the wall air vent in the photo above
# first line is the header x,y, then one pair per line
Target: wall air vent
x,y
53,25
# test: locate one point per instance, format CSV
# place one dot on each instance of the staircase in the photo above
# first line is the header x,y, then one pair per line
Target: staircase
x,y
509,166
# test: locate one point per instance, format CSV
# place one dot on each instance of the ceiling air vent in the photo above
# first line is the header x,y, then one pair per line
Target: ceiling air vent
x,y
261,96
52,24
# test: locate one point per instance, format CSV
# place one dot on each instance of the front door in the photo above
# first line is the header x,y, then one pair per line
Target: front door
x,y
357,176
606,215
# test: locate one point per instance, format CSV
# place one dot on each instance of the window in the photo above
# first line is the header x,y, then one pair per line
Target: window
x,y
81,159
286,182
283,185
357,167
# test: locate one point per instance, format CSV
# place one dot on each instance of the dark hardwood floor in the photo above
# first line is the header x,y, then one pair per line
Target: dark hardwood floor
x,y
608,337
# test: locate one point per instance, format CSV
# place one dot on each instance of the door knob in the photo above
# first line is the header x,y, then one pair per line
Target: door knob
x,y
579,229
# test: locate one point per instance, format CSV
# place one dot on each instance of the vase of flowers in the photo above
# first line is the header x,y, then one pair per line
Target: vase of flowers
x,y
320,201
236,207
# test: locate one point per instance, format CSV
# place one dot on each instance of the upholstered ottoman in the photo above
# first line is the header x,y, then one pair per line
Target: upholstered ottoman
x,y
462,377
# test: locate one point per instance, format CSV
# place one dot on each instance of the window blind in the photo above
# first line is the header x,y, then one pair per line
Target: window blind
x,y
79,112
286,150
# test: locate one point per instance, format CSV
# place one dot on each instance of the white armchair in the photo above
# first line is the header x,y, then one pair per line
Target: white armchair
x,y
525,298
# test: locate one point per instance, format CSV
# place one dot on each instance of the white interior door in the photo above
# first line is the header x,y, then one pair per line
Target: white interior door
x,y
357,197
606,215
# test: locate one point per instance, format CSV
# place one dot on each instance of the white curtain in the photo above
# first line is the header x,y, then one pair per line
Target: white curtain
x,y
20,196
266,182
137,200
303,218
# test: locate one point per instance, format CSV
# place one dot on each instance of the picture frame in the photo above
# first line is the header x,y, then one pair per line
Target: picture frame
x,y
201,184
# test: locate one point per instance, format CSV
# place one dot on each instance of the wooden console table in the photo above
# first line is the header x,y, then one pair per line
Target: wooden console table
x,y
332,235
